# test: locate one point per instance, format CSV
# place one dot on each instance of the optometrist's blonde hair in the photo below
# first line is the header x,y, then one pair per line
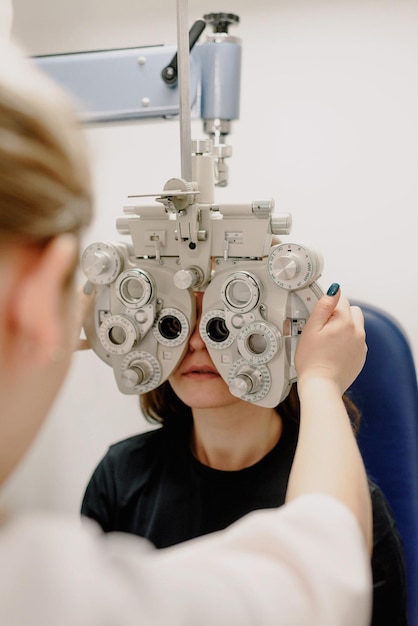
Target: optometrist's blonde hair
x,y
45,182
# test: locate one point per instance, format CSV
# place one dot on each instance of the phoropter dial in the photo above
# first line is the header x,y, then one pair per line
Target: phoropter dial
x,y
101,263
135,288
137,373
249,383
241,292
259,342
118,334
214,331
171,327
140,371
292,266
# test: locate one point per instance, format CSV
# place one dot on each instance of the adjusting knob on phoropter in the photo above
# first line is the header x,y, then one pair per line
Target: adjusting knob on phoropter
x,y
101,263
138,373
245,382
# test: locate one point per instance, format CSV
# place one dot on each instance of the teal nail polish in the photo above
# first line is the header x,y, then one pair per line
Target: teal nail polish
x,y
333,289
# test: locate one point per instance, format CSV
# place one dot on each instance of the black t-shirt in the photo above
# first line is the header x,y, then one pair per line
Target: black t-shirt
x,y
152,486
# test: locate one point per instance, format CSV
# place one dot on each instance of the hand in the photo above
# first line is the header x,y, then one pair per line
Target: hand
x,y
332,344
85,297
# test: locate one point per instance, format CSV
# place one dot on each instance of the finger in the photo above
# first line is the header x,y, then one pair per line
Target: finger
x,y
325,307
358,318
357,314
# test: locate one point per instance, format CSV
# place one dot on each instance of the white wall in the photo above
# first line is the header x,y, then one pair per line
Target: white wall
x,y
329,128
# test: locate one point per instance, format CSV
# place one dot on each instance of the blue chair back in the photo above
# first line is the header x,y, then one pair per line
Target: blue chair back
x,y
387,396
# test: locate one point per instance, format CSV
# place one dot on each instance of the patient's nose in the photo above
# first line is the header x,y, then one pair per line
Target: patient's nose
x,y
196,342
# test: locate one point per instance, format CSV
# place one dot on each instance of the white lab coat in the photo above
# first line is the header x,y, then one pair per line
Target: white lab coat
x,y
305,563
6,18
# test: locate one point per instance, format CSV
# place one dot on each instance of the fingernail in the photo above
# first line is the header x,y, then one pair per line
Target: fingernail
x,y
88,288
333,289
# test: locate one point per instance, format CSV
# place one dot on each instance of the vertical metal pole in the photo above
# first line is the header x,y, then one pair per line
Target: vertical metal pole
x,y
183,66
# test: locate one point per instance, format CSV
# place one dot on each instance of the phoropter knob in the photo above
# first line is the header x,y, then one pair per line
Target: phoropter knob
x,y
101,263
281,224
246,381
293,266
192,277
138,373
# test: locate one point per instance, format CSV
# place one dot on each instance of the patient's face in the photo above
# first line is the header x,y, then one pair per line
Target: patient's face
x,y
196,381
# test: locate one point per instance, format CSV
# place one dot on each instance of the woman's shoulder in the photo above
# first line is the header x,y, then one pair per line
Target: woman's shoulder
x,y
139,441
138,455
138,448
383,517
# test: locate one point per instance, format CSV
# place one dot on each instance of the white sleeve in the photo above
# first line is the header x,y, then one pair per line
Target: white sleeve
x,y
304,563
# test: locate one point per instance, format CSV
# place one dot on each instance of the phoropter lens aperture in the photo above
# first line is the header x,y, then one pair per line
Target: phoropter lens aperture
x,y
217,330
169,327
117,335
257,343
